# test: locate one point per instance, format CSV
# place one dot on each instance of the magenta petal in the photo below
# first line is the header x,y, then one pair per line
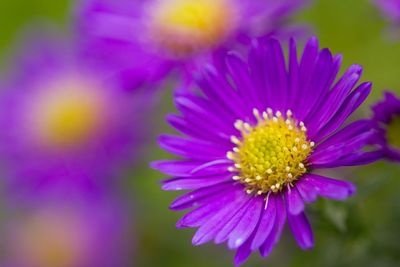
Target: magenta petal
x,y
276,232
301,230
294,202
306,190
195,182
242,254
212,167
200,215
239,73
230,226
188,128
175,167
200,196
212,226
247,224
331,188
191,148
266,223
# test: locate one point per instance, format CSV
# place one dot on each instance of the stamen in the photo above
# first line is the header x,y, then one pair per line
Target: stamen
x,y
231,169
239,125
235,140
230,155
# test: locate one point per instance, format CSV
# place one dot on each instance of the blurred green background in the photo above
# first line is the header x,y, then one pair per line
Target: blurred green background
x,y
363,231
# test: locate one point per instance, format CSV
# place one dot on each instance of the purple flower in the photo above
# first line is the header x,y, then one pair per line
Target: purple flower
x,y
151,37
64,233
387,119
253,141
390,9
62,121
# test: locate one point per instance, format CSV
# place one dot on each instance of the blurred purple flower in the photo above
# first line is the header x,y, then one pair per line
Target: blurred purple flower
x,y
390,9
64,121
254,140
151,37
63,233
387,118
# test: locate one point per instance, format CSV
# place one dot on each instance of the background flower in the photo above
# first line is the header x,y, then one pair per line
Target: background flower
x,y
151,37
390,9
387,117
59,232
64,121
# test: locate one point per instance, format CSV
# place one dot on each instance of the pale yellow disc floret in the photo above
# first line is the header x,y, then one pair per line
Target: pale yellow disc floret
x,y
271,154
185,27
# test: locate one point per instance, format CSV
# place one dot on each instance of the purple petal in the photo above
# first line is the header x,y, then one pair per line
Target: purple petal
x,y
275,75
200,112
242,254
330,188
227,229
186,183
276,232
175,167
320,81
200,196
266,224
239,73
306,66
355,159
353,101
335,98
190,148
212,167
294,202
351,130
293,74
256,64
219,91
384,110
306,190
202,214
340,150
195,130
247,224
213,225
190,168
301,230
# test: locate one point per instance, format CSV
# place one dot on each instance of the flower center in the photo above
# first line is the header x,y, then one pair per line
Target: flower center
x,y
271,154
393,132
68,112
186,27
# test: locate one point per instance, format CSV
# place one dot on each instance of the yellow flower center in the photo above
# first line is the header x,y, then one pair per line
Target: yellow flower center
x,y
271,154
393,132
68,112
186,27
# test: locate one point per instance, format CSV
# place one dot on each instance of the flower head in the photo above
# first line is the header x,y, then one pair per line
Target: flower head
x,y
63,120
61,233
387,119
153,36
254,139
